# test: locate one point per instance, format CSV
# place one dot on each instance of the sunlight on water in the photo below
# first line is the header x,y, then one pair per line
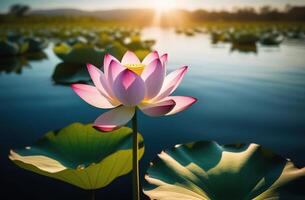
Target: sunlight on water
x,y
261,93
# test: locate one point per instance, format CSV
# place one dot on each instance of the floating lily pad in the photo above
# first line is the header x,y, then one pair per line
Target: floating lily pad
x,y
23,47
68,73
244,48
206,170
80,155
13,36
79,54
219,36
245,38
36,44
117,49
8,48
269,39
137,44
79,39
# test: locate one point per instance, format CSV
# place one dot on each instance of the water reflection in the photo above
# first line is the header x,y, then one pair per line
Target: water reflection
x,y
15,64
244,48
36,56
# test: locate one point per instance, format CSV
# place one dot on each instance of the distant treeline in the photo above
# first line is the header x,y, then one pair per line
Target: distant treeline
x,y
23,13
246,14
265,13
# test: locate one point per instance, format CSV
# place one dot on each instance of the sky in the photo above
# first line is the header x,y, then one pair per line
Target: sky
x,y
165,4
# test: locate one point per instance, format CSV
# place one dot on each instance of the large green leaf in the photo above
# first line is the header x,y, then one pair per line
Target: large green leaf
x,y
36,44
207,170
79,54
80,155
66,74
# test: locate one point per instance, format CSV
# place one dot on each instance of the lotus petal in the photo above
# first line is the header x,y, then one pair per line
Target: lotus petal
x,y
130,58
114,118
150,57
157,109
153,76
171,82
181,103
92,96
99,80
115,68
107,59
164,59
129,88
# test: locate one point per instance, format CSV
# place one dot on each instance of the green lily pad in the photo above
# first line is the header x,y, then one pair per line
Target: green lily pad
x,y
36,44
62,49
269,39
23,47
116,49
79,54
79,39
8,48
245,38
206,170
220,36
244,48
66,74
80,155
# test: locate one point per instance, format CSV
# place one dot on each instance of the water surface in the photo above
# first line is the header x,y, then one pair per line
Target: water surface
x,y
242,97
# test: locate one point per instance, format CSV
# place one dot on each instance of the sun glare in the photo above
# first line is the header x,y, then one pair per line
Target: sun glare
x,y
163,5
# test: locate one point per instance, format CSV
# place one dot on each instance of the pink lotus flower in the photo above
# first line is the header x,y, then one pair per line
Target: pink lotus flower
x,y
130,84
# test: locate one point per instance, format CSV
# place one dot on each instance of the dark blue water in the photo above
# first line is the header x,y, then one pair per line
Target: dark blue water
x,y
242,97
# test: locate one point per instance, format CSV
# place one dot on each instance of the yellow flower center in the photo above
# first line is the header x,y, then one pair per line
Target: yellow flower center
x,y
136,68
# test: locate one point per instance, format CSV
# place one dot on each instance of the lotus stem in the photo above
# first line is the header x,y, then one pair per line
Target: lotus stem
x,y
135,161
92,194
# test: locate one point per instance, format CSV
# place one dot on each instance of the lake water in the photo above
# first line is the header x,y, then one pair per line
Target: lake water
x,y
243,97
